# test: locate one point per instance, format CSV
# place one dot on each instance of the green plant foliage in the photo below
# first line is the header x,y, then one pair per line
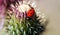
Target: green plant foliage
x,y
23,26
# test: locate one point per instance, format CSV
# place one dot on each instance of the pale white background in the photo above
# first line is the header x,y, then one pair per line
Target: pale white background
x,y
52,9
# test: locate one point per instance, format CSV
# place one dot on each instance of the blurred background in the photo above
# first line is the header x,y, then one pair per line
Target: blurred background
x,y
52,9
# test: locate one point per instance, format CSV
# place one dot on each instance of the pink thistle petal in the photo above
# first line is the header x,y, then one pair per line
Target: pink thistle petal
x,y
1,23
1,2
2,16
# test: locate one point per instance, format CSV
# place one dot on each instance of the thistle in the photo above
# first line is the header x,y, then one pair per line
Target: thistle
x,y
23,23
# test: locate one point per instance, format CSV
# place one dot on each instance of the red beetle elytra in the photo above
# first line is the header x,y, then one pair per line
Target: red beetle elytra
x,y
30,12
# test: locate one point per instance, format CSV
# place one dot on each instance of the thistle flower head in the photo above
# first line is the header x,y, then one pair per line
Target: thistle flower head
x,y
25,10
7,3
